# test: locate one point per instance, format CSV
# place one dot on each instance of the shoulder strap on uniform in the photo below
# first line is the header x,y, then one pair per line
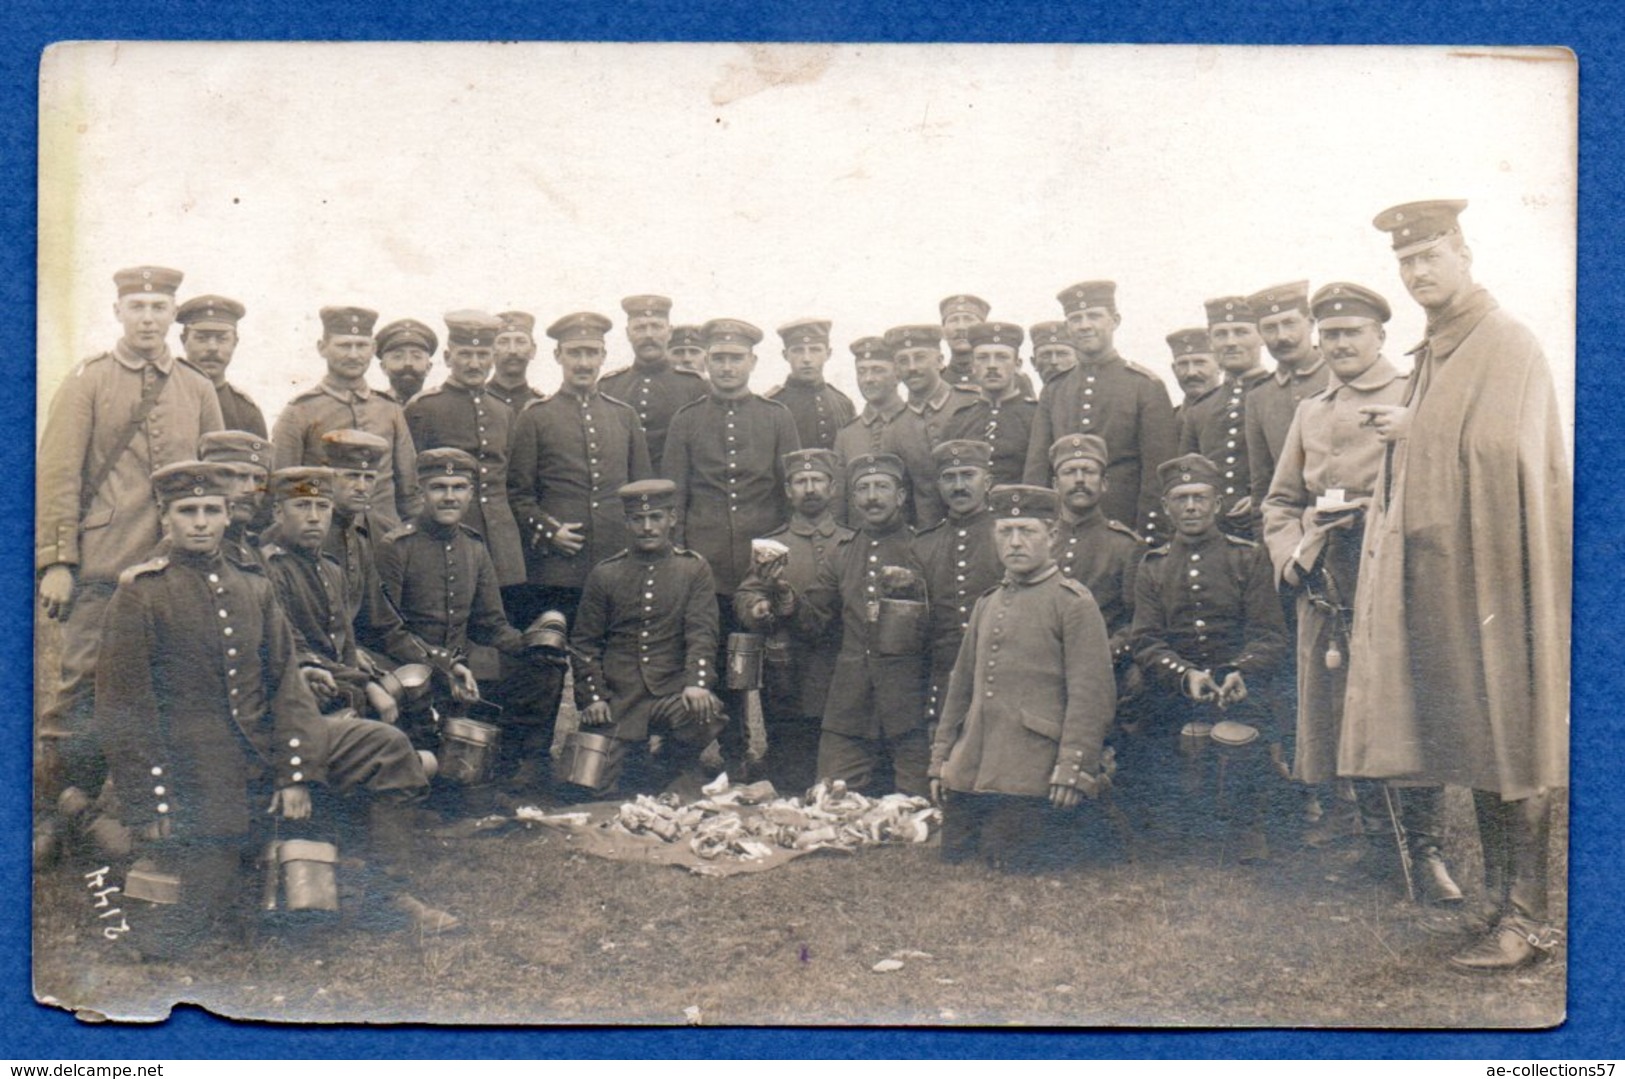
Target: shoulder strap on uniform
x,y
1119,526
143,409
406,529
152,565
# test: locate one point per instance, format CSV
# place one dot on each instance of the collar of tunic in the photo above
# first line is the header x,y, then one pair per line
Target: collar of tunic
x,y
1110,358
939,398
823,526
344,393
1450,327
1285,375
1374,377
1026,580
872,414
124,354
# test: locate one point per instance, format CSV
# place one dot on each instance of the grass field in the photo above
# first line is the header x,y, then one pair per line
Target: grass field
x,y
1184,938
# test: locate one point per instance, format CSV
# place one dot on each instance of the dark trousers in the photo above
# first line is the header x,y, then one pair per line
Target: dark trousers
x,y
1012,832
856,761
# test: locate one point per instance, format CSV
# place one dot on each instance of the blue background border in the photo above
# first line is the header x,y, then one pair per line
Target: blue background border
x,y
1595,941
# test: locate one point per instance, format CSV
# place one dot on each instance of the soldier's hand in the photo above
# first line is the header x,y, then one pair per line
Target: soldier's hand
x,y
1233,690
464,689
702,704
1063,797
56,591
383,704
569,537
158,829
292,801
596,714
320,682
1392,422
1199,686
761,609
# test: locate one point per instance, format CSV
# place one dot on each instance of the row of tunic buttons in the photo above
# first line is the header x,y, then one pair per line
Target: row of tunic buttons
x,y
1088,405
998,633
963,605
733,467
451,579
591,434
226,630
1233,433
479,429
1196,586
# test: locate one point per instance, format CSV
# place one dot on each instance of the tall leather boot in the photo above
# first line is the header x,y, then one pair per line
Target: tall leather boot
x,y
1492,814
1523,933
1421,812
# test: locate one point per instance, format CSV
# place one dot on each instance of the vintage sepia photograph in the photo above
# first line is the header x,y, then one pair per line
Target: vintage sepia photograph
x,y
748,534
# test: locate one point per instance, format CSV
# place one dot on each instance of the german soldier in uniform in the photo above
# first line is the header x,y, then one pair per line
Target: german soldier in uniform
x,y
1208,634
797,674
877,697
1099,553
957,555
644,643
515,348
959,313
820,410
405,349
1054,353
206,718
209,336
880,427
1288,329
1215,424
1194,368
652,386
996,350
1106,395
343,400
937,412
686,350
119,416
1314,521
1027,712
1461,624
463,414
249,458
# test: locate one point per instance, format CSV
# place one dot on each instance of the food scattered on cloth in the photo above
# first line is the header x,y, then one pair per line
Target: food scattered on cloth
x,y
743,828
886,966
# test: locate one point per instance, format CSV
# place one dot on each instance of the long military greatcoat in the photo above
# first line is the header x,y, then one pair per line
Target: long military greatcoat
x,y
1032,694
1460,658
476,422
1328,446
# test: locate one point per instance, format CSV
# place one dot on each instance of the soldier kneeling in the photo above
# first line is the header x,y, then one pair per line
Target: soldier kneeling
x,y
1029,702
205,719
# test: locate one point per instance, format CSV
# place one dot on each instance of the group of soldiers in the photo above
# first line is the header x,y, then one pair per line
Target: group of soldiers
x,y
1009,602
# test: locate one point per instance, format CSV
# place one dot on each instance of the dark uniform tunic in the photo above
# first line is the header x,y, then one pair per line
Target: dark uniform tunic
x,y
198,695
515,398
1126,405
310,588
820,411
1104,557
805,668
726,457
297,437
443,583
569,456
877,430
646,630
656,391
1009,431
239,412
948,414
1031,698
960,563
374,621
873,697
1207,603
1215,426
475,422
1270,408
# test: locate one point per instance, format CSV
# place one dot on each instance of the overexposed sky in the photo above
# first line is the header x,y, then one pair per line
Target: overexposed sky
x,y
856,183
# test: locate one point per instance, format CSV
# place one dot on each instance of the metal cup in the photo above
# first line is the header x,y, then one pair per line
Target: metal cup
x,y
549,633
745,660
468,749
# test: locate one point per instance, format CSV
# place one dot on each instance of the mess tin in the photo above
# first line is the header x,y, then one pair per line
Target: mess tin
x,y
147,882
468,749
408,683
900,627
549,633
300,874
591,760
745,654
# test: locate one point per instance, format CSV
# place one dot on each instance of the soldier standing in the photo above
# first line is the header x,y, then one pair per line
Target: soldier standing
x,y
996,349
1461,623
686,350
797,674
209,336
1099,553
342,399
463,414
515,348
820,410
1106,395
1026,716
1054,353
937,412
879,428
957,555
1215,424
1288,329
1194,368
652,386
405,349
644,643
959,313
118,417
